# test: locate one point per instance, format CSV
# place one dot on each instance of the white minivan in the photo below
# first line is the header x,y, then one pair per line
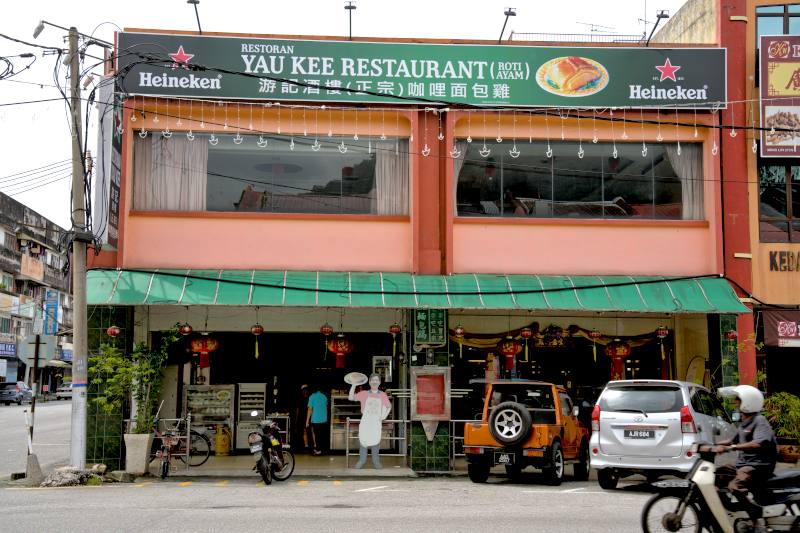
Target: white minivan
x,y
647,426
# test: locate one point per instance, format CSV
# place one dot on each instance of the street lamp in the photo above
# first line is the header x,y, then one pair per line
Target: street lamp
x,y
350,7
509,12
196,14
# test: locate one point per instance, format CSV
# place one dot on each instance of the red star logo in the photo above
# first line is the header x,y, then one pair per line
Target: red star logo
x,y
667,71
181,58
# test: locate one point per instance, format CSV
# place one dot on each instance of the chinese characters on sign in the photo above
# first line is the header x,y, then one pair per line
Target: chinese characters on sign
x,y
780,88
344,71
430,327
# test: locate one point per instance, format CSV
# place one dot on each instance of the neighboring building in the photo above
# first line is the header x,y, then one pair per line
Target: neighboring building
x,y
591,237
760,193
33,286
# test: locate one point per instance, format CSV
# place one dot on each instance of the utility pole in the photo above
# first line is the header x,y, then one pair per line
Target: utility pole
x,y
79,325
35,385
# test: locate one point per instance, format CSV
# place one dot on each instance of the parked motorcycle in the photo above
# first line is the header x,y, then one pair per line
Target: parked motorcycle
x,y
274,459
695,504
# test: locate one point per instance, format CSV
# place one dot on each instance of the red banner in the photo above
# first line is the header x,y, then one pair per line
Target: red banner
x,y
431,395
781,328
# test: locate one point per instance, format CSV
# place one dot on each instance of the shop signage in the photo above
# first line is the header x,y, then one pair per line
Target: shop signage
x,y
502,75
430,327
8,349
782,328
784,261
50,313
780,87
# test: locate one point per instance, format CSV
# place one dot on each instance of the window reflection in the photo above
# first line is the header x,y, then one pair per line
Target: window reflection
x,y
658,185
286,176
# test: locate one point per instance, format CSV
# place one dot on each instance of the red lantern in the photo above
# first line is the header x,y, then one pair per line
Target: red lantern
x,y
662,332
594,334
185,329
113,331
395,328
509,347
204,345
526,333
341,346
731,335
257,329
459,331
326,329
618,350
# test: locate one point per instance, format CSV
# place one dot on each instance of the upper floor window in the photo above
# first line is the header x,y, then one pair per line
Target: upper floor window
x,y
659,184
779,200
777,20
288,175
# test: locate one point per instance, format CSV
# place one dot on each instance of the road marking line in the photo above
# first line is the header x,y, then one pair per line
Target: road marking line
x,y
260,483
223,483
574,490
302,482
563,491
184,483
337,483
140,485
372,488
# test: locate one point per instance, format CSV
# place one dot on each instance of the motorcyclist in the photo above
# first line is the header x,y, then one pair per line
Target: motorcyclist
x,y
757,451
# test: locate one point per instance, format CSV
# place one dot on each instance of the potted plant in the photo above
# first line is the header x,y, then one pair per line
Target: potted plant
x,y
136,379
782,410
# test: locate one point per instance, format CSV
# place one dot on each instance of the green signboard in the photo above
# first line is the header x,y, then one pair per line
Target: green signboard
x,y
494,75
430,326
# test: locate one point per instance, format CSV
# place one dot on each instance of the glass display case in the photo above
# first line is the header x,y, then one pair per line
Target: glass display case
x,y
211,406
252,397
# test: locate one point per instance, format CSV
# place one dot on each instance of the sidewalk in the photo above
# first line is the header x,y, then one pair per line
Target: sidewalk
x,y
306,466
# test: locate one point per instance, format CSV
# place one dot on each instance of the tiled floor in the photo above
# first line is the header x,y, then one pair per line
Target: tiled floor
x,y
305,465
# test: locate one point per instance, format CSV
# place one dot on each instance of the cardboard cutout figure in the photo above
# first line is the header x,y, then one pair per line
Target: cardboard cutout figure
x,y
375,407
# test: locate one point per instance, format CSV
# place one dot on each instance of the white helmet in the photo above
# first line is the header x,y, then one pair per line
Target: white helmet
x,y
752,399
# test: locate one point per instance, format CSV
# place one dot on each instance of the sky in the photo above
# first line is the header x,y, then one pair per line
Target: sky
x,y
36,135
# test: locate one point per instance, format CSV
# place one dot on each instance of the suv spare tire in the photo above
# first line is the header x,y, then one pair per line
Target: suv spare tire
x,y
510,423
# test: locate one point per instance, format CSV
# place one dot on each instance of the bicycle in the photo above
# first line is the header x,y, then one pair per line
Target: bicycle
x,y
172,441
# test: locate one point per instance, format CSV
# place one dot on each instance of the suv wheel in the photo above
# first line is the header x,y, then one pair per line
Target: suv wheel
x,y
607,478
510,423
478,472
580,470
555,472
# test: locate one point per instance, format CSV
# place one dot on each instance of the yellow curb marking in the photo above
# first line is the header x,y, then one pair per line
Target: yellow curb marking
x,y
260,484
222,483
302,482
140,485
184,484
337,482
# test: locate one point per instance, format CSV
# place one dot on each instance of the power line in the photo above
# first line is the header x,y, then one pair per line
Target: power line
x,y
40,186
34,170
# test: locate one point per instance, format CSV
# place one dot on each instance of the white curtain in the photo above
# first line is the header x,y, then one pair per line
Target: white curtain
x,y
391,178
170,174
689,168
458,164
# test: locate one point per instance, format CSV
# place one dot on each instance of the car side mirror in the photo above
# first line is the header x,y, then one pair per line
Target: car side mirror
x,y
576,411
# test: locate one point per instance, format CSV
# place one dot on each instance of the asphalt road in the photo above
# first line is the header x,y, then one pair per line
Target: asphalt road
x,y
319,506
50,436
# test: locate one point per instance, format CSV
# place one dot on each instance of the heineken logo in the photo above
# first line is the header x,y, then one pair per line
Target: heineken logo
x,y
181,58
187,81
666,72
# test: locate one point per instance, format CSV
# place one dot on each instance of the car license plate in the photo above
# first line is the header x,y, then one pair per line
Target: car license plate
x,y
255,448
640,434
504,458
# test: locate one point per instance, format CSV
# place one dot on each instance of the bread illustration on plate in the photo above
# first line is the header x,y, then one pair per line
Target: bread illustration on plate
x,y
572,74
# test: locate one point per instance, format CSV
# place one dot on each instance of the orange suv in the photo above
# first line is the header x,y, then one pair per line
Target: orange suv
x,y
527,423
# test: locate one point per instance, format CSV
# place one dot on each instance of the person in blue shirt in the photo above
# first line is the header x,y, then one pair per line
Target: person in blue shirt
x,y
317,420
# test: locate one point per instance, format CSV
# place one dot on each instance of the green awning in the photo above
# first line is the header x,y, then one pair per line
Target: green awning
x,y
636,294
